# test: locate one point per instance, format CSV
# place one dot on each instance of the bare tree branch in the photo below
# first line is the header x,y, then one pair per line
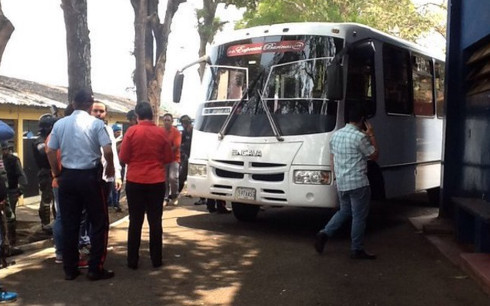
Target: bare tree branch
x,y
6,30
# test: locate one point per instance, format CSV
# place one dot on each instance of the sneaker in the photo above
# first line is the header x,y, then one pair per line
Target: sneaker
x,y
320,241
58,259
72,276
175,202
100,275
82,264
7,296
14,251
48,229
85,250
361,254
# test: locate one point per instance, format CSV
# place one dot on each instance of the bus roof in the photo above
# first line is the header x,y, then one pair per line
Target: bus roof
x,y
349,31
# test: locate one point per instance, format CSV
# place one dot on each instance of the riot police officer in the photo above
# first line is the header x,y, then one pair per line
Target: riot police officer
x,y
46,123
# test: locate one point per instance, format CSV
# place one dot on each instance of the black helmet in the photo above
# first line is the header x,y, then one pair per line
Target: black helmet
x,y
46,123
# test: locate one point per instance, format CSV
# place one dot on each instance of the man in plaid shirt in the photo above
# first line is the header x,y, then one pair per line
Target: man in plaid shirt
x,y
350,149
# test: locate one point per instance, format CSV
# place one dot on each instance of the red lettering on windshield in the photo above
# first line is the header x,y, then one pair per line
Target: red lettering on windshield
x,y
258,48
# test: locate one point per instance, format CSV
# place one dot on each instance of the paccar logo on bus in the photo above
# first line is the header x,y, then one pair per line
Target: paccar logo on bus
x,y
257,48
253,153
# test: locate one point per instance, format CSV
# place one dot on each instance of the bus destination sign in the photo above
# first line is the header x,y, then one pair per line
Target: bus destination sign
x,y
258,48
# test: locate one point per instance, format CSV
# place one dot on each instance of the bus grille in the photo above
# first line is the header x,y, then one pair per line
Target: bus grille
x,y
277,177
228,174
238,170
266,165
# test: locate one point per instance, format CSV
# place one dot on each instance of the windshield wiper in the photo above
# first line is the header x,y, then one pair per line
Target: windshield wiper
x,y
272,122
237,104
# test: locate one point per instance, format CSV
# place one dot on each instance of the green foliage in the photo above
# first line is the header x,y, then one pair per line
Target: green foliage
x,y
398,17
269,12
208,25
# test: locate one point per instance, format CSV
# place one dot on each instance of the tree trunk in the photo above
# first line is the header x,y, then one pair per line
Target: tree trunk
x,y
139,79
150,70
6,30
77,46
206,28
202,50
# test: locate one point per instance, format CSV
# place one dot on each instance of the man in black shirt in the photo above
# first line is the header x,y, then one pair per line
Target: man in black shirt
x,y
185,149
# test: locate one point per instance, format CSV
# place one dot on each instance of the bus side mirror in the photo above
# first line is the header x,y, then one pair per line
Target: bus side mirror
x,y
335,89
178,84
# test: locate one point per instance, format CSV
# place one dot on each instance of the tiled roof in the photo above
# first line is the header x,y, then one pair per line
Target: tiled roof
x,y
26,93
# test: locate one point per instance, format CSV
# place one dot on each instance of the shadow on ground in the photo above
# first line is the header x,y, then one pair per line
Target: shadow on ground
x,y
212,259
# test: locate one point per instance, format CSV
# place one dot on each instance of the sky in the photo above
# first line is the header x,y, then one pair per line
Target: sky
x,y
37,48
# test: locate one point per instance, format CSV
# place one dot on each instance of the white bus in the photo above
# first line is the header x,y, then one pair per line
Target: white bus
x,y
274,95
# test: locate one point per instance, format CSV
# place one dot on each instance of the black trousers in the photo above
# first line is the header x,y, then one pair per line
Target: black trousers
x,y
79,189
145,198
107,189
184,166
47,197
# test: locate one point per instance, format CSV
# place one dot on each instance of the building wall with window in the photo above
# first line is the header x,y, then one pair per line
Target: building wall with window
x,y
23,102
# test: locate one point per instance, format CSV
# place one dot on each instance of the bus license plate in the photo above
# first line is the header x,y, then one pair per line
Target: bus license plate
x,y
244,193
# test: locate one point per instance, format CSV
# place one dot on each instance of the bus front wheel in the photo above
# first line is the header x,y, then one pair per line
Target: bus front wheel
x,y
245,212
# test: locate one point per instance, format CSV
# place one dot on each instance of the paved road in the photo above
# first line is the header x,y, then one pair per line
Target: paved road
x,y
212,259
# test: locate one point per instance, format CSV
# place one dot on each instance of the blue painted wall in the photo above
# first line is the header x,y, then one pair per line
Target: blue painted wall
x,y
466,170
475,17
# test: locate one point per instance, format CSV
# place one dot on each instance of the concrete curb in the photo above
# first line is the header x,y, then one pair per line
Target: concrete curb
x,y
476,265
41,244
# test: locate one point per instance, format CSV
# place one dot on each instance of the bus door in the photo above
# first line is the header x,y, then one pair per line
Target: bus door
x,y
361,90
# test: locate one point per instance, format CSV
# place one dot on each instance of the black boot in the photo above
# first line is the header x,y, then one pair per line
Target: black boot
x,y
12,235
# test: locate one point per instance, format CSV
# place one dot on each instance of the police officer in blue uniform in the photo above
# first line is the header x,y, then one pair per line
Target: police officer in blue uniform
x,y
80,138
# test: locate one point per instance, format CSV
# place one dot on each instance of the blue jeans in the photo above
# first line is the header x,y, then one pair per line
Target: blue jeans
x,y
113,199
172,180
57,227
353,203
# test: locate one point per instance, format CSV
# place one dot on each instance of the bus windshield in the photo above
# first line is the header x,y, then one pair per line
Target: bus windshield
x,y
290,80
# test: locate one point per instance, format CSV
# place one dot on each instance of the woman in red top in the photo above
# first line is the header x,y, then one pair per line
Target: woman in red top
x,y
145,150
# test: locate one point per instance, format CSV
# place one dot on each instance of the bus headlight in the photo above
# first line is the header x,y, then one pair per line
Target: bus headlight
x,y
197,170
313,177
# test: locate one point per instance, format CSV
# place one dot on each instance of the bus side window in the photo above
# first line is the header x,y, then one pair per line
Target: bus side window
x,y
423,91
396,80
439,85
